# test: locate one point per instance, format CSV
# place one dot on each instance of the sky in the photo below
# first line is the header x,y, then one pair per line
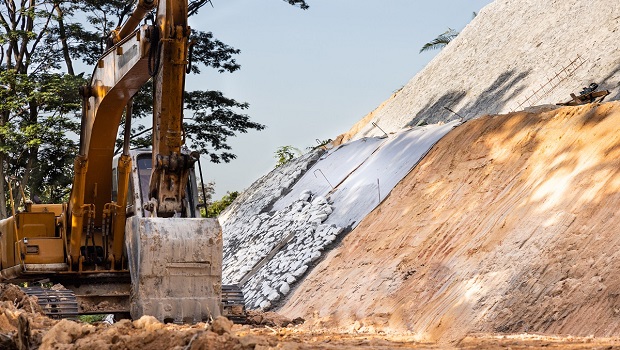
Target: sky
x,y
310,75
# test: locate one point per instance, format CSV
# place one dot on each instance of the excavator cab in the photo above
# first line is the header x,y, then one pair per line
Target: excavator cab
x,y
139,187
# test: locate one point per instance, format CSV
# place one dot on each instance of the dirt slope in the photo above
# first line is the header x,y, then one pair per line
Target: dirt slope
x,y
508,225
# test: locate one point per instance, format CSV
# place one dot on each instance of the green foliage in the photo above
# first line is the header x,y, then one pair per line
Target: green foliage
x,y
35,138
205,197
443,39
211,118
301,3
214,209
285,154
38,101
211,52
91,318
195,5
215,118
440,41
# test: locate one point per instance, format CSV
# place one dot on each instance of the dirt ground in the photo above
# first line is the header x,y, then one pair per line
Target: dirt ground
x,y
21,330
22,327
147,333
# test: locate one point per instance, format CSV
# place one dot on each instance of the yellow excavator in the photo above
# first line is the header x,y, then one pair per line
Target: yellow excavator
x,y
130,239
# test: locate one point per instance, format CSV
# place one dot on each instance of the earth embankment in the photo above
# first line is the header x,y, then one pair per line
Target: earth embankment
x,y
509,225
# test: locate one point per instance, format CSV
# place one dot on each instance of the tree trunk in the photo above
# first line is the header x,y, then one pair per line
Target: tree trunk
x,y
33,153
63,39
3,192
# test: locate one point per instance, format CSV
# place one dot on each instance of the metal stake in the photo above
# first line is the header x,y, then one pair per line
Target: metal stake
x,y
377,126
325,177
454,112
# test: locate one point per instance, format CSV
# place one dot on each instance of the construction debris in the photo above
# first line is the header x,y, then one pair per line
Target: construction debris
x,y
587,95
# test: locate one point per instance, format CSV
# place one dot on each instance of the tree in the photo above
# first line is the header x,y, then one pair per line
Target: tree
x,y
36,100
211,117
205,196
195,5
214,120
215,208
41,44
442,39
285,154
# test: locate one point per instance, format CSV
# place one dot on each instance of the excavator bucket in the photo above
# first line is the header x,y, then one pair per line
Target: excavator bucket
x,y
176,268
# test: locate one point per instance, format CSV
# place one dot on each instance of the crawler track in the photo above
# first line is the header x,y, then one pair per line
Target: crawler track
x,y
234,304
56,304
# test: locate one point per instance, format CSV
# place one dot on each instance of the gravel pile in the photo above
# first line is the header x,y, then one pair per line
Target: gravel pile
x,y
279,247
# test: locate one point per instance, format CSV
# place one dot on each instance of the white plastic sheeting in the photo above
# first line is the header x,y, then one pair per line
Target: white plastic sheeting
x,y
332,169
363,189
270,249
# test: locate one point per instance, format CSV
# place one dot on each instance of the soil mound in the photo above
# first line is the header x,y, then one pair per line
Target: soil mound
x,y
12,293
22,326
20,330
508,225
144,333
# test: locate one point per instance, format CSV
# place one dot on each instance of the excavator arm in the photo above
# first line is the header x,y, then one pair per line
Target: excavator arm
x,y
158,52
170,167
